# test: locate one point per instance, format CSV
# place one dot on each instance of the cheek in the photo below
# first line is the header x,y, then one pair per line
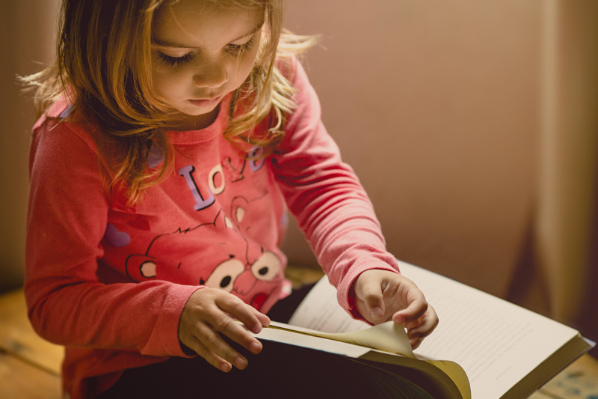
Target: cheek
x,y
246,67
168,84
243,68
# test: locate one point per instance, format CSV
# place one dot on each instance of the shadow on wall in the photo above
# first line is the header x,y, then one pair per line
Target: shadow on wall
x,y
26,35
472,126
436,106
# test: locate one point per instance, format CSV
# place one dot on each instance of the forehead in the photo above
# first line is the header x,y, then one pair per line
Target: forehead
x,y
197,23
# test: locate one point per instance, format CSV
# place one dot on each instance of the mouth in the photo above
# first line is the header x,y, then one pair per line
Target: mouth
x,y
206,102
258,301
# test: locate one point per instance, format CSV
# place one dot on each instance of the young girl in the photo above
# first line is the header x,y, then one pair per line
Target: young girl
x,y
174,135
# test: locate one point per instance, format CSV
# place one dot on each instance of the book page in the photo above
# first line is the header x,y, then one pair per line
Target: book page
x,y
320,311
312,342
389,337
497,343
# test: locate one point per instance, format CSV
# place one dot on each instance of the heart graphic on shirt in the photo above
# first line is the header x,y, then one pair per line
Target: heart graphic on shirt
x,y
140,222
155,157
256,162
66,112
116,238
234,168
284,220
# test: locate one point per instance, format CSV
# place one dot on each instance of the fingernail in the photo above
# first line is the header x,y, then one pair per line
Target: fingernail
x,y
255,347
225,367
240,363
377,313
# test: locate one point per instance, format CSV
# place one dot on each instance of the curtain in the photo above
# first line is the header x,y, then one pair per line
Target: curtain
x,y
565,228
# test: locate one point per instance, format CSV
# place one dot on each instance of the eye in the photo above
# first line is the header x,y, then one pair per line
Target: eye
x,y
148,269
224,275
238,49
175,61
266,267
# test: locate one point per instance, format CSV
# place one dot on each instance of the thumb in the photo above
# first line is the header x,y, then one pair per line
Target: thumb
x,y
370,293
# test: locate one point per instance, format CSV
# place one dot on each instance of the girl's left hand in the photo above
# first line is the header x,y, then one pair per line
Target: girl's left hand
x,y
382,295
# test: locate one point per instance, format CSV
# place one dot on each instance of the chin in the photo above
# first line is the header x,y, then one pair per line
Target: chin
x,y
194,111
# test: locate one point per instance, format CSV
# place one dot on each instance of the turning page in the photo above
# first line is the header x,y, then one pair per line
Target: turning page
x,y
497,343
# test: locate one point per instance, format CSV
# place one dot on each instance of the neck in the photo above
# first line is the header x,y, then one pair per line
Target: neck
x,y
187,122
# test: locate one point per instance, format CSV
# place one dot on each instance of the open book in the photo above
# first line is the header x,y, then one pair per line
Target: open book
x,y
490,348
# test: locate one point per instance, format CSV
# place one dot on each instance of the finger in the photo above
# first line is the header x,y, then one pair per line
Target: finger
x,y
415,343
416,309
215,345
244,313
370,292
265,320
417,335
223,323
425,327
208,355
262,319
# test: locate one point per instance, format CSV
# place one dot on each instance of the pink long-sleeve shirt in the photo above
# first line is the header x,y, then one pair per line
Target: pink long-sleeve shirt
x,y
109,281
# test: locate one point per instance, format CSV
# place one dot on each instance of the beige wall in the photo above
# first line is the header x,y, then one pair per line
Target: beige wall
x,y
436,105
452,112
566,223
26,43
473,125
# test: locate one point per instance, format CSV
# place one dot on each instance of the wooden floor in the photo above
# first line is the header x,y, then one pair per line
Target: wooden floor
x,y
30,366
579,381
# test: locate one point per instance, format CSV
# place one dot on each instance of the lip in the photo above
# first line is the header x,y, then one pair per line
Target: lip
x,y
258,300
206,102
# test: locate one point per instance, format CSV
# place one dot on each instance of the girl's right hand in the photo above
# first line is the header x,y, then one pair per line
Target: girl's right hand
x,y
210,311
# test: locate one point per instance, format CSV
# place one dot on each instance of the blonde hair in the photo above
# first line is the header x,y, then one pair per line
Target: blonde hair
x,y
103,67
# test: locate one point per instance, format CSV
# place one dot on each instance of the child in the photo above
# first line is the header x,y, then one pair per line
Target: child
x,y
174,135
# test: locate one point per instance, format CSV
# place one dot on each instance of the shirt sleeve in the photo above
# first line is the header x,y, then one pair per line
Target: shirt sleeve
x,y
324,194
67,216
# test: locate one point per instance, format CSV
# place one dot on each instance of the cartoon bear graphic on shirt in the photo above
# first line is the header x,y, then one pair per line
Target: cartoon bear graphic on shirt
x,y
238,265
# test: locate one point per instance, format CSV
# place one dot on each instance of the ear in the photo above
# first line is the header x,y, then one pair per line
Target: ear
x,y
141,267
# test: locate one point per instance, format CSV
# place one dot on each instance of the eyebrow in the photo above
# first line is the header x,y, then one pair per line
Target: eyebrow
x,y
166,43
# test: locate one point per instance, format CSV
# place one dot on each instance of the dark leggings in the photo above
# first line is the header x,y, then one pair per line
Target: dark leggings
x,y
279,371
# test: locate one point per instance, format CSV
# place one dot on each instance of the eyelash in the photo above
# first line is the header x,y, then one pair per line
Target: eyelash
x,y
175,61
235,49
240,48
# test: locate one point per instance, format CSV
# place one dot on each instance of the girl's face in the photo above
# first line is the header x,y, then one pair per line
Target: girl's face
x,y
200,54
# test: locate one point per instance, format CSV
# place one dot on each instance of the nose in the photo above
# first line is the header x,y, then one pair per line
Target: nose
x,y
211,75
244,282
